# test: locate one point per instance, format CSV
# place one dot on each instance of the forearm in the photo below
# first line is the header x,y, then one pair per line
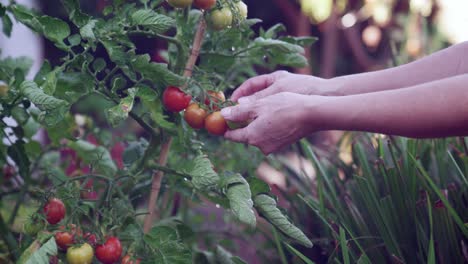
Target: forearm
x,y
435,109
443,64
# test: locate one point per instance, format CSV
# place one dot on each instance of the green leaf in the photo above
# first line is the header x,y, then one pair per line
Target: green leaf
x,y
45,251
289,59
134,151
87,32
266,206
119,113
299,254
17,153
53,109
97,156
157,23
76,16
258,186
19,114
7,25
203,175
240,199
167,247
74,40
278,45
50,83
99,64
146,93
37,254
41,76
157,73
116,52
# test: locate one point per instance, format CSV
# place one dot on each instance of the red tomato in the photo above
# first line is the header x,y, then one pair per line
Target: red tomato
x,y
8,172
216,124
195,116
175,100
204,4
110,251
128,260
54,211
215,98
64,240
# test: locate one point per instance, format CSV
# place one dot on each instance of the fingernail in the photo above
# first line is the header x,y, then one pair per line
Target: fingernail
x,y
226,112
243,100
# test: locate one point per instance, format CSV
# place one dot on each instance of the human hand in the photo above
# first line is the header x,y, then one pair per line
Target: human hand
x,y
281,81
278,120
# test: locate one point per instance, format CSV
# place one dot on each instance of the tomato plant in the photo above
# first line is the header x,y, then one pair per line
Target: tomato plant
x,y
117,159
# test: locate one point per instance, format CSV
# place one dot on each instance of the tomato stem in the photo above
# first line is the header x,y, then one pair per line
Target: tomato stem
x,y
157,176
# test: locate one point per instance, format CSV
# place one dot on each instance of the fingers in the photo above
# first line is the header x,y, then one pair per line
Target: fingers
x,y
273,89
238,113
253,85
238,135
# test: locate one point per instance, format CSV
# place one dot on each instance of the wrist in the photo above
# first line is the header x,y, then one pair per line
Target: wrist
x,y
334,87
321,113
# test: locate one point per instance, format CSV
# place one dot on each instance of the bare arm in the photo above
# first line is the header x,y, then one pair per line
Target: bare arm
x,y
443,64
440,65
433,109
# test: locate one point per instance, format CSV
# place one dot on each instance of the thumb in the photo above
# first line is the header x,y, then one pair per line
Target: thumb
x,y
241,112
274,89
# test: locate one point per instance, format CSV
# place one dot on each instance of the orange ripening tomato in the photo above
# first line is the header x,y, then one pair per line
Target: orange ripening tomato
x,y
195,116
216,124
216,98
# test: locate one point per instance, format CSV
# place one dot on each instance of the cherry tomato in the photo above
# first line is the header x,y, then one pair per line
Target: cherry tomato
x,y
175,100
216,98
64,240
128,260
180,3
54,211
8,172
195,116
221,18
204,4
90,238
243,9
216,124
80,255
4,90
34,225
110,251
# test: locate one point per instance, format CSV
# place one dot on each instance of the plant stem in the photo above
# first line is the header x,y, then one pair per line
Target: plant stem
x,y
158,176
8,238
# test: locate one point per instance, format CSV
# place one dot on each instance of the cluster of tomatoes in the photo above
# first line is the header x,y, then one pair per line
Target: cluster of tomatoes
x,y
196,115
81,248
220,16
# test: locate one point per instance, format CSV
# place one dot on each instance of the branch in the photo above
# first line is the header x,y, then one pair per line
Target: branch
x,y
158,176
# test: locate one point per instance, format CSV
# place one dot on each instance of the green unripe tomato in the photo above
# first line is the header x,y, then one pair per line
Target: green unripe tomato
x,y
221,18
243,9
4,90
33,226
180,3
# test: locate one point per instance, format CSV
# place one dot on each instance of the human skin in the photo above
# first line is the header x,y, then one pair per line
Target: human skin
x,y
424,99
